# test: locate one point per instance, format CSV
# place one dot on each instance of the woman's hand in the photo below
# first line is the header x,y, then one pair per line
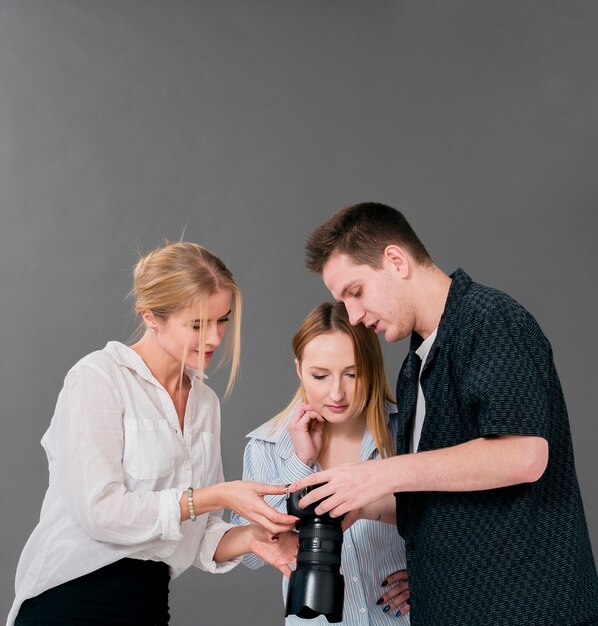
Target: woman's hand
x,y
247,499
397,596
243,497
280,551
305,428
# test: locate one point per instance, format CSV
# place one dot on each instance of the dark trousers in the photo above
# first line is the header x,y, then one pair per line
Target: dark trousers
x,y
126,593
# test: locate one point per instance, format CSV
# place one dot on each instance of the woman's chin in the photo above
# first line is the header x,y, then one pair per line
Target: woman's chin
x,y
193,360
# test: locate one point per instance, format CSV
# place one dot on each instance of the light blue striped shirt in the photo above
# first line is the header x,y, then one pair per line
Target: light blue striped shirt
x,y
371,550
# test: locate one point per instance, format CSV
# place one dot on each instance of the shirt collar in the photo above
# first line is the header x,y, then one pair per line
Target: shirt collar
x,y
277,434
127,357
460,284
269,432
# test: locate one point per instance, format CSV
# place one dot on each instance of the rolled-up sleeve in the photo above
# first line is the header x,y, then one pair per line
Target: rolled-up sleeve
x,y
215,529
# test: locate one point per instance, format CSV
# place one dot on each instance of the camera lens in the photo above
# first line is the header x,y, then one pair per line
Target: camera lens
x,y
316,586
320,543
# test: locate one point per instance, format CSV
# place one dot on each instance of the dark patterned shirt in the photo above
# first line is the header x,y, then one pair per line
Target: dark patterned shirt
x,y
518,555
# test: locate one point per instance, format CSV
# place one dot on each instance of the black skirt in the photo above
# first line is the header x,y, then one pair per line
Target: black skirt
x,y
129,592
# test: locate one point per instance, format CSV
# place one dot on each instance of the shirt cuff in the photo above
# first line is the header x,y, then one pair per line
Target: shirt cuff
x,y
252,561
170,515
205,558
294,469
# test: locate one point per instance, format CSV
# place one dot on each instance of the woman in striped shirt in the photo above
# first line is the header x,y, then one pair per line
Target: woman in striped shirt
x,y
341,413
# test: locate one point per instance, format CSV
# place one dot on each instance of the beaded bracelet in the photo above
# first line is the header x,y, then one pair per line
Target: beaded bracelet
x,y
191,507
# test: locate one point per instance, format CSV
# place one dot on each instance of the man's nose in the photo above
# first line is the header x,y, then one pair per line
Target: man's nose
x,y
356,313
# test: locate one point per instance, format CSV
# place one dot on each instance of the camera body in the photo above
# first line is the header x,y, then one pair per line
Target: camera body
x,y
316,587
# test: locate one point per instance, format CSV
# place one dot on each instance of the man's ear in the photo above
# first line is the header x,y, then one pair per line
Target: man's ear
x,y
398,257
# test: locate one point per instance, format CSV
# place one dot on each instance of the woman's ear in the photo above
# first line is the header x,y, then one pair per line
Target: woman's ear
x,y
298,368
149,319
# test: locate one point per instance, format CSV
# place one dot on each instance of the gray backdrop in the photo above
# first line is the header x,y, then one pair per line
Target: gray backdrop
x,y
246,124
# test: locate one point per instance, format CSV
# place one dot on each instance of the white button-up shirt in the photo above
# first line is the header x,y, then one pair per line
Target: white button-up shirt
x,y
118,465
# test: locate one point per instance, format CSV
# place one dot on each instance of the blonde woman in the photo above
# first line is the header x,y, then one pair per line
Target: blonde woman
x,y
341,413
136,484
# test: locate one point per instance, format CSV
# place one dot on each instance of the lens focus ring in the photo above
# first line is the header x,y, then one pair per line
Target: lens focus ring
x,y
309,532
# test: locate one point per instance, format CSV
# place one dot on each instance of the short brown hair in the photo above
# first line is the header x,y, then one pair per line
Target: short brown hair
x,y
362,231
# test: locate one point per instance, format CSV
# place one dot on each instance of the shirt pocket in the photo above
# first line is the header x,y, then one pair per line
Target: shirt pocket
x,y
149,451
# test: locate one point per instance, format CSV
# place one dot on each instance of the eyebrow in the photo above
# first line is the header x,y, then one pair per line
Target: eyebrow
x,y
324,369
219,318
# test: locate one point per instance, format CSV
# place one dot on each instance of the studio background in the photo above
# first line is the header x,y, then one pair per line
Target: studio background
x,y
245,125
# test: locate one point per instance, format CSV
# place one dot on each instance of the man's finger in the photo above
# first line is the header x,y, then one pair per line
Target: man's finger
x,y
315,495
308,481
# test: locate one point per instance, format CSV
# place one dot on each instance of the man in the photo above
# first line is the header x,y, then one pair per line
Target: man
x,y
489,507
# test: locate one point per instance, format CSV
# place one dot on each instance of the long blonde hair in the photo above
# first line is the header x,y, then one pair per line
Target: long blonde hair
x,y
182,274
371,387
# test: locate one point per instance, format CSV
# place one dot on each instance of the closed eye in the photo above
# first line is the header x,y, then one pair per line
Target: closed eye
x,y
222,320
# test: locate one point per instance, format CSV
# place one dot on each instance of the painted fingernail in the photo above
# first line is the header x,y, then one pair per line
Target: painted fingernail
x,y
386,609
379,600
398,613
384,583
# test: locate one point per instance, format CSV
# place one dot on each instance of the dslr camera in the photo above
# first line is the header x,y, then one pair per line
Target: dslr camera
x,y
316,586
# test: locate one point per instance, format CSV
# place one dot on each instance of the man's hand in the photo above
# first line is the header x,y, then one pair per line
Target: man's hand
x,y
346,487
483,463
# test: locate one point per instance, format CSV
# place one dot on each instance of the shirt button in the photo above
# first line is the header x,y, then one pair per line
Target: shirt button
x,y
362,610
348,546
355,579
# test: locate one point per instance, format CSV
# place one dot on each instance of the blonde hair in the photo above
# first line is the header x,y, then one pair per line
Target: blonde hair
x,y
182,274
371,387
